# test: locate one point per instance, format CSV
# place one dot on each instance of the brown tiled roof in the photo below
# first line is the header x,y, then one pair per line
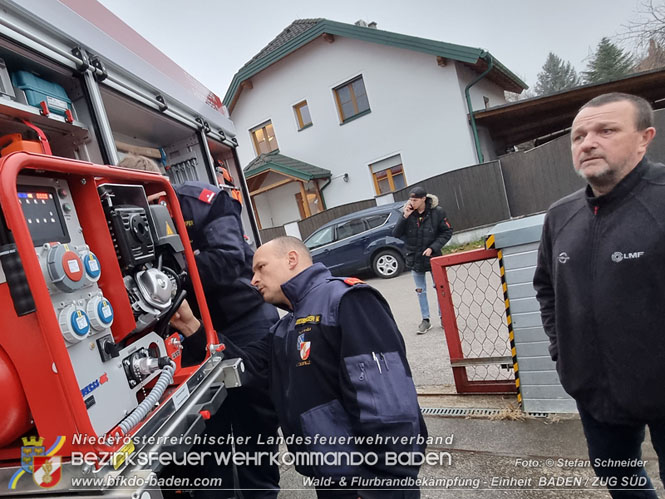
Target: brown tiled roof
x,y
293,30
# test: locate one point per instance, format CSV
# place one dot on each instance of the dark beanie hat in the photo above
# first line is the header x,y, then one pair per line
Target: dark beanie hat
x,y
418,192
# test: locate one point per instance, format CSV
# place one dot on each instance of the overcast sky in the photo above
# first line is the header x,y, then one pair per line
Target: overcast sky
x,y
212,39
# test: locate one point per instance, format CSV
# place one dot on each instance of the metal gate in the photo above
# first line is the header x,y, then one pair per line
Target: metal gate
x,y
473,307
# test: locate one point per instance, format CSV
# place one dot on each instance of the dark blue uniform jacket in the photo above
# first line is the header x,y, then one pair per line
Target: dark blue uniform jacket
x,y
337,367
223,258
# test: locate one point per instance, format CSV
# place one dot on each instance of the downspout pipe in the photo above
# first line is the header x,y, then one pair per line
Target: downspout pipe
x,y
487,57
321,191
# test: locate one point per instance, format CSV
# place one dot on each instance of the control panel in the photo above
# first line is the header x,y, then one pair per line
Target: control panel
x,y
110,375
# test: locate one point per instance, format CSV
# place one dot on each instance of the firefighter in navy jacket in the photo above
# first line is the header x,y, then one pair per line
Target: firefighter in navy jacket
x,y
223,259
224,263
336,365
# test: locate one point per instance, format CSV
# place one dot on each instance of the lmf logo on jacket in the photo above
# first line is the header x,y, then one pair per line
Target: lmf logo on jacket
x,y
618,256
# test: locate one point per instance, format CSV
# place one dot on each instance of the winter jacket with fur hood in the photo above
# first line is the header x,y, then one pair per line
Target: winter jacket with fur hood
x,y
429,229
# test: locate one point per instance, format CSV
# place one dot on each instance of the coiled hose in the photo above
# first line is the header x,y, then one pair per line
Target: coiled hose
x,y
137,415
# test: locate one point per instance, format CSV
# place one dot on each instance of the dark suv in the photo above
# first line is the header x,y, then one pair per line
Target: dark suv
x,y
360,241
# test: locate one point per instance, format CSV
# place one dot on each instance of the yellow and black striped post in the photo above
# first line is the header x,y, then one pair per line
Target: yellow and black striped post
x,y
489,244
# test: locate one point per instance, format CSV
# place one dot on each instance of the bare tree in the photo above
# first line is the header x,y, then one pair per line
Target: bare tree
x,y
654,59
649,25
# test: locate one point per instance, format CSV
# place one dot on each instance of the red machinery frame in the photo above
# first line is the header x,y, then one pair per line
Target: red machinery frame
x,y
458,361
45,369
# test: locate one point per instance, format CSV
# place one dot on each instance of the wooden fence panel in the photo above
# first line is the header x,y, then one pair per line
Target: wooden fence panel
x,y
310,224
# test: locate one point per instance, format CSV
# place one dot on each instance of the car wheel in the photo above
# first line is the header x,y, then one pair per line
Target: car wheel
x,y
387,264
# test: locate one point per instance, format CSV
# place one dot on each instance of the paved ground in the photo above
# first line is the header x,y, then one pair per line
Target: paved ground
x,y
427,353
503,457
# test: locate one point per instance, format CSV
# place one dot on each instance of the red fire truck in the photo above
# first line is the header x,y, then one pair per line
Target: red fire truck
x,y
90,272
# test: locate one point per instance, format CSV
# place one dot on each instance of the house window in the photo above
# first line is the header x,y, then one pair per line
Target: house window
x,y
302,115
351,99
264,138
388,175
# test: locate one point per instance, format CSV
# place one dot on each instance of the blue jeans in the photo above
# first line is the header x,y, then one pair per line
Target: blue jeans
x,y
623,442
420,280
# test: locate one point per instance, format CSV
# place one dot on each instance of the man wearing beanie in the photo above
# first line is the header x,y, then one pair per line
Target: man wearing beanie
x,y
425,230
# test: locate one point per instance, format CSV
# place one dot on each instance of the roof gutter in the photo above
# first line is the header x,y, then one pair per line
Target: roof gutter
x,y
487,57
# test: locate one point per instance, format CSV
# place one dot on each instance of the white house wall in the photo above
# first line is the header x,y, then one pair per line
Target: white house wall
x,y
416,111
483,88
262,204
278,206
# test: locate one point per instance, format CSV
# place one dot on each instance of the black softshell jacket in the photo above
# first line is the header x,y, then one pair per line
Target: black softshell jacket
x,y
600,281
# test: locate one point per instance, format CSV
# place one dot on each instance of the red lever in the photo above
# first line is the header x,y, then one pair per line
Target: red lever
x,y
45,110
220,348
69,117
205,414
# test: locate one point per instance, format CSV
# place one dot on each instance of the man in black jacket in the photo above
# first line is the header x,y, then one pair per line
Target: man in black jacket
x,y
425,230
600,281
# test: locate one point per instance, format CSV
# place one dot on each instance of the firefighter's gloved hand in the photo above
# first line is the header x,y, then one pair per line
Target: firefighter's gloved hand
x,y
184,320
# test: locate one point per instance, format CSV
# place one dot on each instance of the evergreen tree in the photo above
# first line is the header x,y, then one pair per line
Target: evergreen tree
x,y
556,76
608,63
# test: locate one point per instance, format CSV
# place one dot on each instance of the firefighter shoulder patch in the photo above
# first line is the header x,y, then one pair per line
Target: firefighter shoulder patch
x,y
352,281
206,196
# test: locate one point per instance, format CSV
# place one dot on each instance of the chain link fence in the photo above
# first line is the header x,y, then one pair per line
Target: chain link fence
x,y
481,316
470,293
